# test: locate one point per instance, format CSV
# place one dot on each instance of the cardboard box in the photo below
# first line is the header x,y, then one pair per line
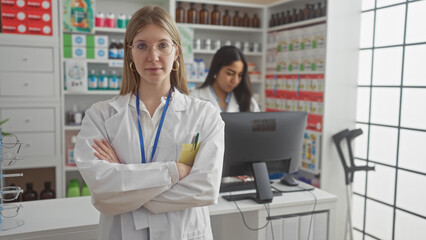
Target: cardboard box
x,y
40,5
76,75
78,18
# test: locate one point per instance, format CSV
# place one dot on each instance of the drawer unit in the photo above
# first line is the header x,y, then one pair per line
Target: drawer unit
x,y
36,144
26,84
28,120
26,59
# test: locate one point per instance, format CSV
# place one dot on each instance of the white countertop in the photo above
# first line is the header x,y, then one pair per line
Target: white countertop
x,y
71,214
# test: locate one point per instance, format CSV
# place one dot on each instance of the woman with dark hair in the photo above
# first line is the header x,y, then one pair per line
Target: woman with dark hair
x,y
227,85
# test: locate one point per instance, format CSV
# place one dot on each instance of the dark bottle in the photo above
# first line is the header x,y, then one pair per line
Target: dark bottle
x,y
236,20
226,19
312,11
180,13
288,17
255,22
191,14
294,16
215,16
283,19
47,192
300,15
204,15
246,20
324,10
306,12
318,11
29,193
272,20
277,19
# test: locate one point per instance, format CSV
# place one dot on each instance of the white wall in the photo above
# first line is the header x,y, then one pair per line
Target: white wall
x,y
343,27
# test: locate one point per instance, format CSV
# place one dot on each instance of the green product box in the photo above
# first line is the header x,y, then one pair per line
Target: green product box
x,y
67,39
90,41
90,52
67,52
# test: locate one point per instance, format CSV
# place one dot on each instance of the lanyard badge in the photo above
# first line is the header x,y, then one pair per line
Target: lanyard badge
x,y
157,136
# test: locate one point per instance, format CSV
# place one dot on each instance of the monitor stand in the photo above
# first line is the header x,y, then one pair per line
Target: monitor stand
x,y
264,192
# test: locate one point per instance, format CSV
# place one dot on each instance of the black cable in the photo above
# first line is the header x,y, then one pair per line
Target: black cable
x,y
244,220
268,209
312,214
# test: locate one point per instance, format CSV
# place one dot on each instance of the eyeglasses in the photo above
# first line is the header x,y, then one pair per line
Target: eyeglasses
x,y
10,210
10,193
162,48
11,147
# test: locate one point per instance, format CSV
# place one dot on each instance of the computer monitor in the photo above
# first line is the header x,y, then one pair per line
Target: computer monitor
x,y
259,143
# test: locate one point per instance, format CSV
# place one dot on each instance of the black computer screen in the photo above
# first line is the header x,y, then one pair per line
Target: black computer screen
x,y
272,137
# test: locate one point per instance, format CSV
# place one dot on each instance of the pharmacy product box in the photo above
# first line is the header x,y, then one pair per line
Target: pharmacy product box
x,y
78,40
39,28
40,17
76,75
17,4
101,53
78,15
79,52
39,5
101,41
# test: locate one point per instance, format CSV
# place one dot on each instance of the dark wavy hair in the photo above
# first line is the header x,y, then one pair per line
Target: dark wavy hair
x,y
225,56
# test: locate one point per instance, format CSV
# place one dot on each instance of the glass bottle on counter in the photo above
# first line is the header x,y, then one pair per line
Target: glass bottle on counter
x,y
192,14
226,19
29,194
204,15
255,22
47,192
236,20
245,21
215,16
180,13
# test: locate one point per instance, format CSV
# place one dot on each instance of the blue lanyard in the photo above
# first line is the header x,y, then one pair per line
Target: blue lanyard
x,y
227,99
163,115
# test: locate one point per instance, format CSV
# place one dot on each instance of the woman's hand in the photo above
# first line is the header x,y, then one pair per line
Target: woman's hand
x,y
183,170
104,151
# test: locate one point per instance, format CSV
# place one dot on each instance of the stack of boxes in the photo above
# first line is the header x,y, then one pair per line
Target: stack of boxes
x,y
79,46
26,17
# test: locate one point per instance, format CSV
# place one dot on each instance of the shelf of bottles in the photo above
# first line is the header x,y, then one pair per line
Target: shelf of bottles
x,y
9,148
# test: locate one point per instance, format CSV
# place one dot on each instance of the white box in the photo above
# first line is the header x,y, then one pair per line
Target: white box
x,y
78,40
76,76
101,41
101,53
79,52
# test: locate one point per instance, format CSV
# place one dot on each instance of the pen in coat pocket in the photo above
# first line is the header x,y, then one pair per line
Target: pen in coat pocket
x,y
196,140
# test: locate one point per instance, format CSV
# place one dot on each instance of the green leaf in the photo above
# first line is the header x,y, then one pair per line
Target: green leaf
x,y
7,119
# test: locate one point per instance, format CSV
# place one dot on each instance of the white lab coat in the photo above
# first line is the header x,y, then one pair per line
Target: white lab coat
x,y
139,199
206,94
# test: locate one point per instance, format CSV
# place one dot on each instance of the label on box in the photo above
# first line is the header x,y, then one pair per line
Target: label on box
x,y
101,41
76,75
78,40
18,4
40,5
78,52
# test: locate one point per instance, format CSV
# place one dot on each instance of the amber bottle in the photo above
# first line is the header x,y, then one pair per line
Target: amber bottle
x,y
294,16
226,19
180,13
192,14
255,22
288,17
236,20
29,193
272,20
47,192
283,19
204,15
215,16
246,20
306,11
318,11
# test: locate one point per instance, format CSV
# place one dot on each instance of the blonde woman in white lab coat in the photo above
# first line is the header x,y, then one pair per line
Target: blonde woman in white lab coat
x,y
227,86
152,156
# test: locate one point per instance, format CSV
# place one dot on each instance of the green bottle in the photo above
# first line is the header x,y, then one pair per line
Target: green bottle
x,y
73,189
85,190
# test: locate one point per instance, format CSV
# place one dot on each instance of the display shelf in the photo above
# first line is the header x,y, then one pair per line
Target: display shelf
x,y
70,169
72,128
212,52
298,24
220,28
109,30
94,92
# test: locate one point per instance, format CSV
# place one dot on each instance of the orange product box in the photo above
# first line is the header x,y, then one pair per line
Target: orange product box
x,y
39,28
17,4
40,5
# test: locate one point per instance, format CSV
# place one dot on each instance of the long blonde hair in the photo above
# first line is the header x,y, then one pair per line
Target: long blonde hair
x,y
160,17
